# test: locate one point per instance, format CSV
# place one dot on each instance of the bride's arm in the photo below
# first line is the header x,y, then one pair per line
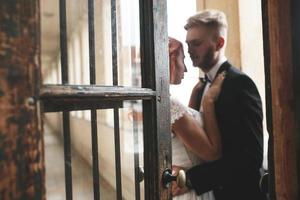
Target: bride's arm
x,y
204,142
195,138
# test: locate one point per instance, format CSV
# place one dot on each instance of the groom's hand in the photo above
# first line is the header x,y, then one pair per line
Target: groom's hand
x,y
176,191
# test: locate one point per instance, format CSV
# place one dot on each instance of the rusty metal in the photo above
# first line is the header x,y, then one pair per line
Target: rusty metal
x,y
22,169
83,97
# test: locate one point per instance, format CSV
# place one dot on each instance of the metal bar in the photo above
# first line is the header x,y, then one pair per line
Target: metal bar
x,y
57,105
114,42
117,154
66,115
69,98
95,154
101,92
91,25
91,41
150,164
136,156
147,44
63,41
116,111
67,155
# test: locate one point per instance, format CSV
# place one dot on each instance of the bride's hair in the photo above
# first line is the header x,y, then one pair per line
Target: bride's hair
x,y
174,49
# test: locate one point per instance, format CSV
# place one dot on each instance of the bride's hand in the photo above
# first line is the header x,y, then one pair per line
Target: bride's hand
x,y
215,87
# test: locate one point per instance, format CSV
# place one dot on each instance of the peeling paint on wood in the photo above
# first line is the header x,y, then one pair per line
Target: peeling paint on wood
x,y
22,171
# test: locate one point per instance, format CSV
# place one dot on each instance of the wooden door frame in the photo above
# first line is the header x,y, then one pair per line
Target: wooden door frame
x,y
281,45
22,168
282,66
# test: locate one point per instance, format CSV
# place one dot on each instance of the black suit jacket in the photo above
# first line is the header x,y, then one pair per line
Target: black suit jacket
x,y
239,114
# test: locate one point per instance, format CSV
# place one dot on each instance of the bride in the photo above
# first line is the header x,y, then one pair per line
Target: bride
x,y
202,126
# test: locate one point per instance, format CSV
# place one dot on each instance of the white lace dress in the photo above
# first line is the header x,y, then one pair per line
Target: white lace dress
x,y
180,154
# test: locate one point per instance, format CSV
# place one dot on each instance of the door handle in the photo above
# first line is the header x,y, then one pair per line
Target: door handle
x,y
141,174
264,183
167,178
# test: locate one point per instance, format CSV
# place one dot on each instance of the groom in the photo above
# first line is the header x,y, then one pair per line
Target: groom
x,y
235,176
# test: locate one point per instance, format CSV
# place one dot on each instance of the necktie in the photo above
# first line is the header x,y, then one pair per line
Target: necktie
x,y
205,79
207,83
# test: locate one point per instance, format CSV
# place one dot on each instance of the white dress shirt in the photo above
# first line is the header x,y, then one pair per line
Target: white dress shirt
x,y
211,76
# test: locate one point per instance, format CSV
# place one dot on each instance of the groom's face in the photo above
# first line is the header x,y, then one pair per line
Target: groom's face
x,y
201,47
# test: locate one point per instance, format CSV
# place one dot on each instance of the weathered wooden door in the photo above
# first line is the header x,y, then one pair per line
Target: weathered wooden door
x,y
22,153
21,144
281,49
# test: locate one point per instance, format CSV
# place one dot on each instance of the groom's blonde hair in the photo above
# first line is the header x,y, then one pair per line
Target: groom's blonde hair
x,y
212,19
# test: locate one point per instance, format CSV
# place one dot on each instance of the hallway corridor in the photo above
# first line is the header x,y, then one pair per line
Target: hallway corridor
x,y
81,173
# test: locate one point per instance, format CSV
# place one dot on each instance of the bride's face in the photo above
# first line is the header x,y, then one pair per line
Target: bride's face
x,y
180,68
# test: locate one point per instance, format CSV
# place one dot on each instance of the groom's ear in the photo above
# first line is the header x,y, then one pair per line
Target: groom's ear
x,y
220,43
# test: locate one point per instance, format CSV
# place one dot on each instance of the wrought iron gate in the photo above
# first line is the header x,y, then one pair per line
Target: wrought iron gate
x,y
154,94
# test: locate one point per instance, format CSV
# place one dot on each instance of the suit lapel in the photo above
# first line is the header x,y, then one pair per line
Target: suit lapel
x,y
224,67
200,94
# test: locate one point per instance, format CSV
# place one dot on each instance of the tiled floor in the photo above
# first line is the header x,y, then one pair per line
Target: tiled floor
x,y
81,174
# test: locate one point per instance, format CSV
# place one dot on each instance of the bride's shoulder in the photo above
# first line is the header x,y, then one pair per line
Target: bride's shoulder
x,y
176,104
177,109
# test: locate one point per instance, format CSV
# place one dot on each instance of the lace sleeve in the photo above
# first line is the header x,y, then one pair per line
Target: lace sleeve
x,y
177,109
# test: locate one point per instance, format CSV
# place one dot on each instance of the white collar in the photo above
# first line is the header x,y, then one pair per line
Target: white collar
x,y
213,71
